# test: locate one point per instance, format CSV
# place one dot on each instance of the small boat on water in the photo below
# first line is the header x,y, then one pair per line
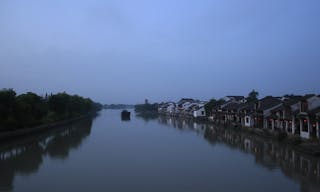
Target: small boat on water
x,y
125,115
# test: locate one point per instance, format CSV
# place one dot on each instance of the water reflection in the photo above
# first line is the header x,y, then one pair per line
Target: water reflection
x,y
302,168
125,118
147,117
25,155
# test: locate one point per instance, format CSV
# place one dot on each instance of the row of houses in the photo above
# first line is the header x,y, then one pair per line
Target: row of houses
x,y
186,107
293,114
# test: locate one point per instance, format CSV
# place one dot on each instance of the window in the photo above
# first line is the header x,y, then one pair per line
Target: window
x,y
247,119
281,114
304,106
304,125
202,112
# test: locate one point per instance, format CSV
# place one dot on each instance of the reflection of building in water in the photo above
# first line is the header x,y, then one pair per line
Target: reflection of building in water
x,y
272,155
24,155
169,121
183,124
247,144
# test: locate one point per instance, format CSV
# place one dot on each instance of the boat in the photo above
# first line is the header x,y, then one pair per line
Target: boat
x,y
125,115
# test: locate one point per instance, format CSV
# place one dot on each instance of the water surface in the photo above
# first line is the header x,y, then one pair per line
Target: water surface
x,y
152,154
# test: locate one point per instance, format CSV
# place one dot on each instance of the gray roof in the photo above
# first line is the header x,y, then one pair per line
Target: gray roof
x,y
236,98
290,100
231,106
246,106
183,100
315,111
268,102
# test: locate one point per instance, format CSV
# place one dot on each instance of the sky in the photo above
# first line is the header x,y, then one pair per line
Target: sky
x,y
124,51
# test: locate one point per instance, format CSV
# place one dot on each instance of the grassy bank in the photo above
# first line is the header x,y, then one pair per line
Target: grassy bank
x,y
4,135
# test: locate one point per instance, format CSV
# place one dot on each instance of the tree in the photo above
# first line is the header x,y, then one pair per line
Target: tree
x,y
58,103
252,96
146,108
7,98
30,109
211,104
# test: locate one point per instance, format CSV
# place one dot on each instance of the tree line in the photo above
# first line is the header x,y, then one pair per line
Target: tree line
x,y
118,106
251,98
146,108
30,109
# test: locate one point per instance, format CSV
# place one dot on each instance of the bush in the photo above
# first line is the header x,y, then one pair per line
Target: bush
x,y
30,109
281,135
296,140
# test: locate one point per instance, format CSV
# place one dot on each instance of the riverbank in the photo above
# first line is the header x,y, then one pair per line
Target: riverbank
x,y
306,146
26,131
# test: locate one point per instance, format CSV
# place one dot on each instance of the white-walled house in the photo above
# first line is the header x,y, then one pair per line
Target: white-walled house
x,y
297,115
184,108
318,122
199,111
294,114
307,105
248,120
170,108
167,108
264,108
245,113
283,118
237,99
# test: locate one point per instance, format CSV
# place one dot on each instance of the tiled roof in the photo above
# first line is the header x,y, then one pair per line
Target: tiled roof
x,y
292,99
237,98
314,111
246,106
269,102
278,108
231,106
288,102
308,96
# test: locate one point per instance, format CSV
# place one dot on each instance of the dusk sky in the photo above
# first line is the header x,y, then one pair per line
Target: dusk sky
x,y
123,51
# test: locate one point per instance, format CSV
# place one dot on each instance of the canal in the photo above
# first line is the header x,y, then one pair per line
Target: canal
x,y
152,154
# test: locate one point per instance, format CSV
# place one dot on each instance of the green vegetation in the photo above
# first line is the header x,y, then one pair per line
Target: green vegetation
x,y
212,104
148,116
146,108
30,109
252,96
118,106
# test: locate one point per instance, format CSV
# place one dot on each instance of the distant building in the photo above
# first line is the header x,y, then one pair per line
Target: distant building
x,y
238,99
293,114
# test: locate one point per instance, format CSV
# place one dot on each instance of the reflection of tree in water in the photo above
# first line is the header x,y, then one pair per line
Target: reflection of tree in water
x,y
60,145
24,156
183,124
210,136
268,153
25,164
147,116
271,155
